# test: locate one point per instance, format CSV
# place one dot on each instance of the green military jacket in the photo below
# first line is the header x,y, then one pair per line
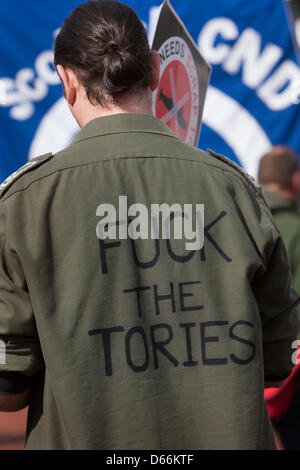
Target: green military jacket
x,y
287,216
140,343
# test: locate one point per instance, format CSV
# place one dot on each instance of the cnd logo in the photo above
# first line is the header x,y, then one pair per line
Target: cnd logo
x,y
2,93
2,352
295,92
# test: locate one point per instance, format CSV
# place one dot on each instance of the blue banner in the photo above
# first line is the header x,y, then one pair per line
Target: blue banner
x,y
252,101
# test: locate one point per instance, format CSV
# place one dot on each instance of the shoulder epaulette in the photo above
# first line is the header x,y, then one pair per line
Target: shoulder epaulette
x,y
250,179
34,163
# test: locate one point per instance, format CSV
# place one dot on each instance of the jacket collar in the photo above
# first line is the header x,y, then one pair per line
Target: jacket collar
x,y
123,123
277,202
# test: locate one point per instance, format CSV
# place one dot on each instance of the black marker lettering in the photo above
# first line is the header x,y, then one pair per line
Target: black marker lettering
x,y
233,357
189,362
159,298
160,345
212,240
133,331
106,338
137,290
210,339
182,295
148,264
103,247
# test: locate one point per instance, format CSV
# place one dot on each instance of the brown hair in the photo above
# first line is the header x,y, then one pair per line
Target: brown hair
x,y
106,45
278,166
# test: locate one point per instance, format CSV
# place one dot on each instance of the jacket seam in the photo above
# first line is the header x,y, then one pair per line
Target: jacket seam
x,y
76,141
232,171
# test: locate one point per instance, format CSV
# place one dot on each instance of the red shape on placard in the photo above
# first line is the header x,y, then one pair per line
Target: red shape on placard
x,y
173,99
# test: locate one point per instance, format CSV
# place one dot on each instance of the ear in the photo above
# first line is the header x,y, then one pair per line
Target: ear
x,y
155,61
70,83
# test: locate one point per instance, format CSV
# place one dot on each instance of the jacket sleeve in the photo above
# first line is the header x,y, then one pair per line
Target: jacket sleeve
x,y
295,261
20,352
277,303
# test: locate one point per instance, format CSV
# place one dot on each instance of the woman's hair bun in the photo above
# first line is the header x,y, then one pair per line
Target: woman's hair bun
x,y
106,44
123,69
